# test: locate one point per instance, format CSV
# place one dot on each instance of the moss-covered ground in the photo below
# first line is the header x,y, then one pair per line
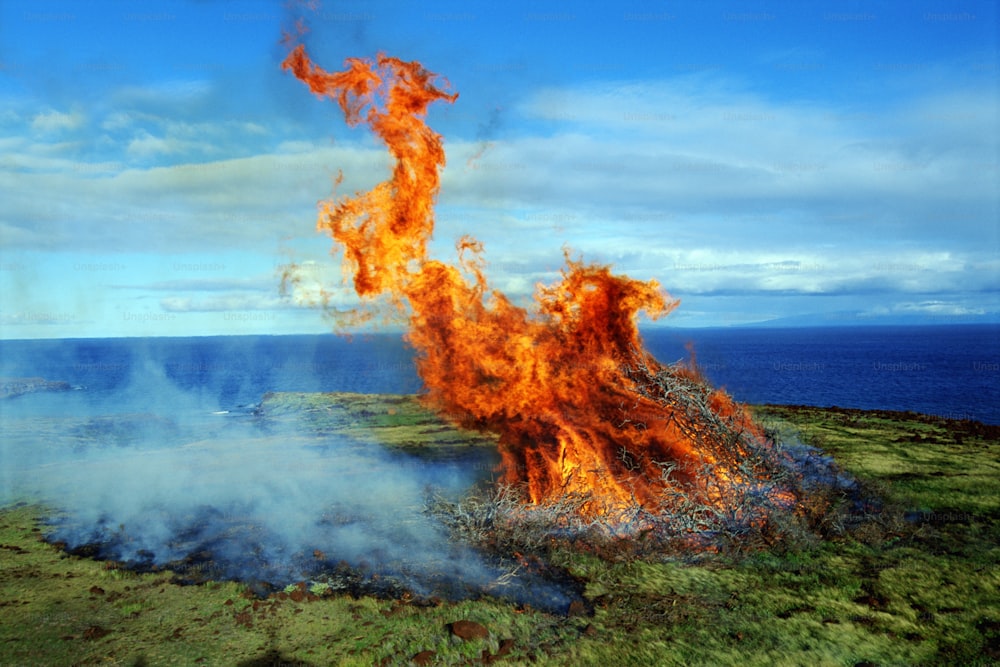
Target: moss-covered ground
x,y
921,589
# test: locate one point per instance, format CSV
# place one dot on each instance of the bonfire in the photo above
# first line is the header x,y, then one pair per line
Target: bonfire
x,y
588,421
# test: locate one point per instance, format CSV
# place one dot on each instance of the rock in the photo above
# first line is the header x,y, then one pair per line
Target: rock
x,y
468,630
424,658
505,647
300,593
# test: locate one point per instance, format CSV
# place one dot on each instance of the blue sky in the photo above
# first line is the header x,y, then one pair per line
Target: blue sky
x,y
824,161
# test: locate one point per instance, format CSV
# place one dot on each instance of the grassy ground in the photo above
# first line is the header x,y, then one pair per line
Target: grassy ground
x,y
922,589
396,421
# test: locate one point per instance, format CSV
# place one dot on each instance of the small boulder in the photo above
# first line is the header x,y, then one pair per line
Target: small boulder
x,y
424,658
468,630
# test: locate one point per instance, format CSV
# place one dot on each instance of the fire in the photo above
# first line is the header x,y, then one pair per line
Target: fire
x,y
582,410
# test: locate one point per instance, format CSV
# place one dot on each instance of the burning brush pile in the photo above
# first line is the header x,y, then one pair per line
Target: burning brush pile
x,y
742,492
599,441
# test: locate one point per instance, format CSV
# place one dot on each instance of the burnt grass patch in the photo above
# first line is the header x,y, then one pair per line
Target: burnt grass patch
x,y
235,552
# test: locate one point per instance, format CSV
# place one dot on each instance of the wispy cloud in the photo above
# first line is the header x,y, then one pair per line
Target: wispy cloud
x,y
931,307
228,302
255,284
650,147
52,121
243,202
176,93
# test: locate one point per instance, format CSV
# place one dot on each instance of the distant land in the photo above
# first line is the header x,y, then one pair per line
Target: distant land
x,y
861,319
11,387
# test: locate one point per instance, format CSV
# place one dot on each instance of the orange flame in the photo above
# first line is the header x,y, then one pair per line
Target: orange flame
x,y
579,406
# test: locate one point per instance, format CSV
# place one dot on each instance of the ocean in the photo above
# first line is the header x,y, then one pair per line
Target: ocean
x,y
949,371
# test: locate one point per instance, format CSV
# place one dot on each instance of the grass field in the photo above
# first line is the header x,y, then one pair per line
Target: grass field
x,y
921,588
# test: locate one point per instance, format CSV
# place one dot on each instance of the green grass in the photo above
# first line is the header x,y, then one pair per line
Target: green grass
x,y
396,421
896,592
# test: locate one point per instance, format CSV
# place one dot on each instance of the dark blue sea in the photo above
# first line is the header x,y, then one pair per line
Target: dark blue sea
x,y
949,371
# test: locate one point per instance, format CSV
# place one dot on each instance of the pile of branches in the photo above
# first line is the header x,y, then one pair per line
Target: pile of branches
x,y
730,443
790,494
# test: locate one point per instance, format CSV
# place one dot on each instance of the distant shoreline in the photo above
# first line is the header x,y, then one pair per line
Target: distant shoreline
x,y
644,328
13,387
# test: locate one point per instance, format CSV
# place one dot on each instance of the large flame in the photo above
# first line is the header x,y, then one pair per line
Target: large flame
x,y
581,409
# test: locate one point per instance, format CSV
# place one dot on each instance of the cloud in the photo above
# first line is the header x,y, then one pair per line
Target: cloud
x,y
262,284
117,120
811,272
242,202
146,145
228,302
37,318
638,149
52,121
933,307
164,94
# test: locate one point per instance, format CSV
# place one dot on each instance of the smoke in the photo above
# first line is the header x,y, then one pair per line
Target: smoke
x,y
212,494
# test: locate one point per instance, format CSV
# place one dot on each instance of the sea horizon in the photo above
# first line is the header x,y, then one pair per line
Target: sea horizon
x,y
768,325
951,371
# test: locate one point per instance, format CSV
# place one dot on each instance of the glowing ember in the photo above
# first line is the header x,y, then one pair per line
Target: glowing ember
x,y
581,409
